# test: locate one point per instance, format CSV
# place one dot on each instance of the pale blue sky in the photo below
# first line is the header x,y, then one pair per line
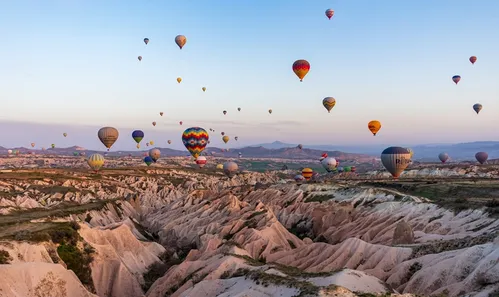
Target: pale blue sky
x,y
74,62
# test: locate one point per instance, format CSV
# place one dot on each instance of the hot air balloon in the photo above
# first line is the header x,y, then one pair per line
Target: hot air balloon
x,y
299,178
481,157
223,133
347,168
270,111
147,143
473,59
154,123
411,152
225,139
443,157
75,154
179,79
201,161
148,160
108,136
329,13
137,135
151,142
154,154
329,103
239,109
138,145
307,173
146,40
301,68
395,159
300,146
220,166
204,89
374,126
236,138
180,123
140,58
329,164
180,40
456,78
32,144
161,113
224,112
195,140
169,142
96,161
230,168
52,145
9,152
477,107
83,154
324,156
64,134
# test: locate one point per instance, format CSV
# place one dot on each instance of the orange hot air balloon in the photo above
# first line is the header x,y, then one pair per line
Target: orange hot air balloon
x,y
179,79
180,40
374,127
307,173
473,59
301,68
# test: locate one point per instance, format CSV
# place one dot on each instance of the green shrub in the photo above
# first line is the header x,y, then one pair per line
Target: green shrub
x,y
77,261
5,257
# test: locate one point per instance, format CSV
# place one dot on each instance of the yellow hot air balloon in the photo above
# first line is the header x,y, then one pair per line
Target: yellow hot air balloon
x,y
220,166
179,79
225,138
65,134
204,89
180,40
307,173
374,127
151,142
138,145
108,136
96,161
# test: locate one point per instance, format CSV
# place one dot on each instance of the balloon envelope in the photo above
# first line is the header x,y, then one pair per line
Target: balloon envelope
x,y
329,164
195,140
481,157
329,13
154,154
225,139
477,107
329,103
230,168
443,157
301,68
180,40
374,127
137,135
299,177
108,136
201,161
148,160
307,173
473,59
146,40
395,159
456,79
96,161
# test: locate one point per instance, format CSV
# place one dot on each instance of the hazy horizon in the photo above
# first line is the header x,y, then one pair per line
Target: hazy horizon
x,y
71,66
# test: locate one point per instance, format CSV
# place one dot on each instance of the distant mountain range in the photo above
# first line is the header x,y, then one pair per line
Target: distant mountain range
x,y
423,152
277,149
250,152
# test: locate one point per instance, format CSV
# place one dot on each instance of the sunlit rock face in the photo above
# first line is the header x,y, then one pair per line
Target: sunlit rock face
x,y
178,232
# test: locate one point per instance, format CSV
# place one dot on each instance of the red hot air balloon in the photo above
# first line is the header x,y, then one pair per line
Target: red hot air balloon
x,y
301,68
473,59
180,123
329,13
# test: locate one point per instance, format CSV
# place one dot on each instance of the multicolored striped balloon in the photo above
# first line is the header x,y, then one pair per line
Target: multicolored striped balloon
x,y
301,68
195,140
307,173
96,161
329,103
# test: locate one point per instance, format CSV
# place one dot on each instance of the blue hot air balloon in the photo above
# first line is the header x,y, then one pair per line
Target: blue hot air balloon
x,y
148,160
137,135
